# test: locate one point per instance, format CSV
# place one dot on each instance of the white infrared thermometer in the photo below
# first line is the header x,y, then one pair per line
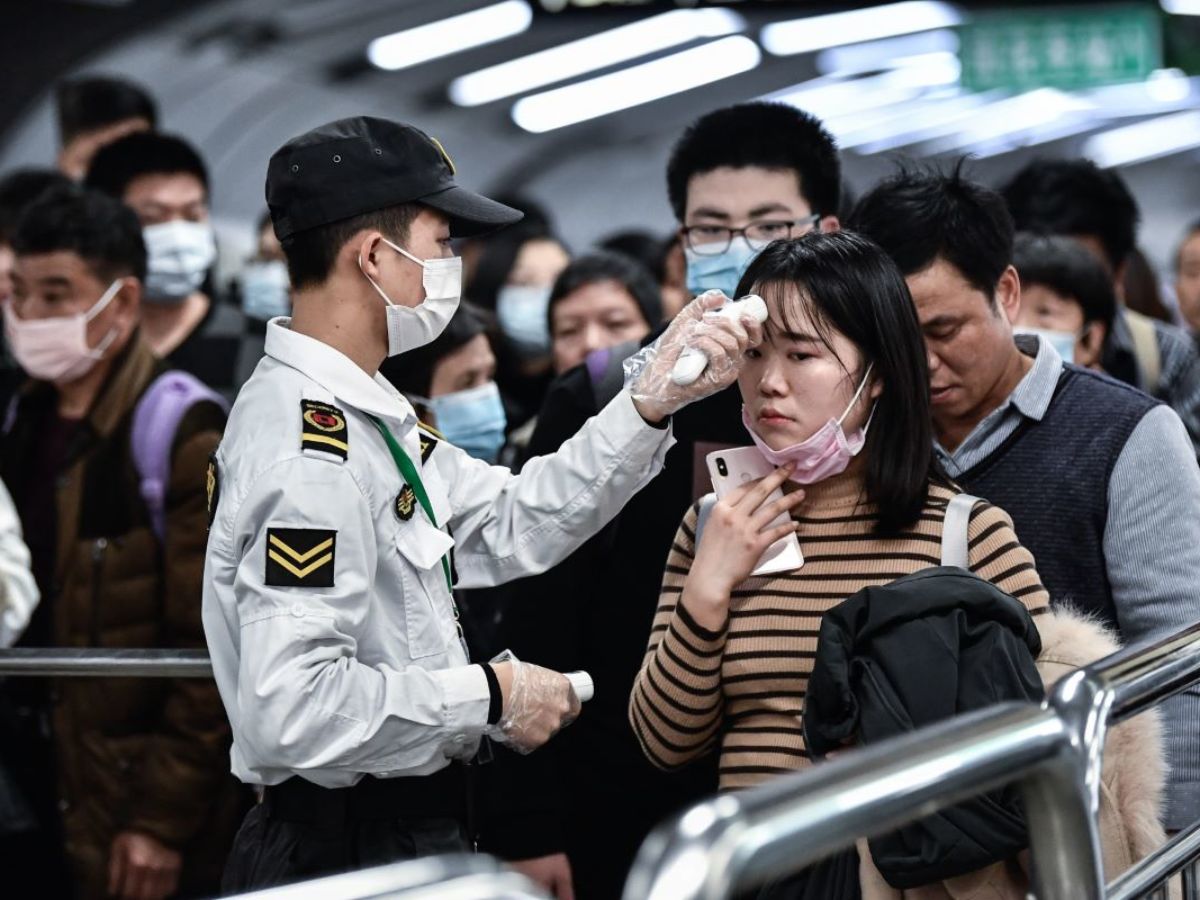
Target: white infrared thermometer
x,y
582,683
692,362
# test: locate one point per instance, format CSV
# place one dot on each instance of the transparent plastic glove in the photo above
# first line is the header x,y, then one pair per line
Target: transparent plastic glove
x,y
724,340
539,704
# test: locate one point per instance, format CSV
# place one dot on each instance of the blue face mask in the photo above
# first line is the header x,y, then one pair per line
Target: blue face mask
x,y
473,420
721,272
1061,341
522,313
266,291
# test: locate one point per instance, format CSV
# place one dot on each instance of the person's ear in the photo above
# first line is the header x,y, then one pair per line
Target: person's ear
x,y
363,252
128,299
1092,340
1119,281
829,224
1008,294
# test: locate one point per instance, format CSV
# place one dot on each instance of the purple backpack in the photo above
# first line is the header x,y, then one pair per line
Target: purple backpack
x,y
156,418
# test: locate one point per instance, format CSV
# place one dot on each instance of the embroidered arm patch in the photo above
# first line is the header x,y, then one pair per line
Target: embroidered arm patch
x,y
323,429
300,557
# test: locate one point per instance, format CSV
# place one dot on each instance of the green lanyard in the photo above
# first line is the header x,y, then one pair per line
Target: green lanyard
x,y
413,478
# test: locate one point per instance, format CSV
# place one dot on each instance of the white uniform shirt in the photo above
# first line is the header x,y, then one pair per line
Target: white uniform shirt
x,y
328,617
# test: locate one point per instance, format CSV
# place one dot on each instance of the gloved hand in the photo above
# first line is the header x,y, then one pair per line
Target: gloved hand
x,y
723,340
538,703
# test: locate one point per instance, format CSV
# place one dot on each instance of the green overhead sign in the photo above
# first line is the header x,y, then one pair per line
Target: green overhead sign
x,y
1072,47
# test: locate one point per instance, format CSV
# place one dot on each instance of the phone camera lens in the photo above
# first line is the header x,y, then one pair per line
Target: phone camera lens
x,y
721,467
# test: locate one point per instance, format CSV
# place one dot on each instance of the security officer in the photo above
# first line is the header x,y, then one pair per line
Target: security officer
x,y
339,526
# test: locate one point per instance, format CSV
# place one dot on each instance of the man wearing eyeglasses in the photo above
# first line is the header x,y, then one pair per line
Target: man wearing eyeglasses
x,y
574,815
744,176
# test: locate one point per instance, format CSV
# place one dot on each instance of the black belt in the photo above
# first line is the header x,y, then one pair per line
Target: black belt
x,y
440,795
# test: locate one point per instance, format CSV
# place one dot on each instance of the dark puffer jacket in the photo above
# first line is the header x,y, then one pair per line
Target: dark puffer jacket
x,y
900,656
141,754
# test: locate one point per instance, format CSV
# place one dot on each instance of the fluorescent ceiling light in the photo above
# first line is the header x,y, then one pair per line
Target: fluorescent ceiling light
x,y
875,56
452,35
1001,123
875,23
1164,136
1181,7
886,128
830,97
636,85
1168,85
607,48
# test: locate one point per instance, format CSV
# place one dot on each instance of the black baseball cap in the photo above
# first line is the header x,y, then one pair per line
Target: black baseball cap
x,y
355,166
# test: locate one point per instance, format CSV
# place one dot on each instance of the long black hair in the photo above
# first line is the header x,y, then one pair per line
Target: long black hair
x,y
849,285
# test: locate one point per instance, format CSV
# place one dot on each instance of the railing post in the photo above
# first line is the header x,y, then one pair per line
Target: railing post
x,y
1062,800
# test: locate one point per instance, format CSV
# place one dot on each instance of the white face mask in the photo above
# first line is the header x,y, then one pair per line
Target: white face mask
x,y
178,256
266,290
413,327
56,349
522,313
1062,341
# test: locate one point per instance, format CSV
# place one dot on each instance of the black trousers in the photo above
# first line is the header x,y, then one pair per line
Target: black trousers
x,y
301,831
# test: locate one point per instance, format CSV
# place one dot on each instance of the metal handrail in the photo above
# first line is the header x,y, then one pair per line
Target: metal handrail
x,y
451,877
1054,752
78,662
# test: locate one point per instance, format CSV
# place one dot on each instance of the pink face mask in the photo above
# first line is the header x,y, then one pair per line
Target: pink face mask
x,y
827,453
56,349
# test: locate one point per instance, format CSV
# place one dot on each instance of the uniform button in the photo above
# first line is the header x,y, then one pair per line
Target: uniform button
x,y
63,805
297,610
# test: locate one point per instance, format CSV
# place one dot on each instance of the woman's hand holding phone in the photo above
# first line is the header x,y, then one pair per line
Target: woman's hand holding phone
x,y
737,533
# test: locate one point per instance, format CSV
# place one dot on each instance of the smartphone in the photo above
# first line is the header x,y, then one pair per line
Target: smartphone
x,y
730,469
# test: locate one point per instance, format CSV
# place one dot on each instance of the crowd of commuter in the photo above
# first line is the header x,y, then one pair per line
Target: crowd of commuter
x,y
950,374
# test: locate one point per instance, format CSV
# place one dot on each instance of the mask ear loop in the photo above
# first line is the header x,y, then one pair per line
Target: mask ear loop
x,y
100,305
857,394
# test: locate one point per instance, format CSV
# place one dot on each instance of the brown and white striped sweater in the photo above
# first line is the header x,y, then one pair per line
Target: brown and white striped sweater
x,y
743,688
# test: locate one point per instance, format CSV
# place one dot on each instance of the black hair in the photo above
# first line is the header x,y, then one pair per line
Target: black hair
x,y
920,215
1066,267
91,103
20,188
498,256
1075,197
1192,229
643,246
607,266
765,135
312,253
116,165
100,230
411,373
851,286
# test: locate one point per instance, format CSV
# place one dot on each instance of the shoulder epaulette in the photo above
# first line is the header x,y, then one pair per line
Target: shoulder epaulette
x,y
323,430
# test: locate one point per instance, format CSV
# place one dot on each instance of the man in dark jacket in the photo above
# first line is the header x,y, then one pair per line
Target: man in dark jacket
x,y
138,768
738,178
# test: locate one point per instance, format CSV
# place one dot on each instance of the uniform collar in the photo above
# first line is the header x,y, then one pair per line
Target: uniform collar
x,y
338,374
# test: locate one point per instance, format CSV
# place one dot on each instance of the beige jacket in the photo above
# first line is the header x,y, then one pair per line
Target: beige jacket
x,y
1131,790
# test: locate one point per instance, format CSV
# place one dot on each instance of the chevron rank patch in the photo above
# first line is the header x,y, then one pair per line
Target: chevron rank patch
x,y
406,503
300,557
212,487
429,439
323,429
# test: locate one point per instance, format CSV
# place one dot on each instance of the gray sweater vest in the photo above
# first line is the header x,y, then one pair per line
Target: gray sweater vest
x,y
1052,477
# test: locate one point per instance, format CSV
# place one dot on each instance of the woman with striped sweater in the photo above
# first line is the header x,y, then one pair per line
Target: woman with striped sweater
x,y
837,396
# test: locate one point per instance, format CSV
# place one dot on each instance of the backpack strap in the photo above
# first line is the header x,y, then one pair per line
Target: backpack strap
x,y
955,543
705,508
156,418
1145,350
